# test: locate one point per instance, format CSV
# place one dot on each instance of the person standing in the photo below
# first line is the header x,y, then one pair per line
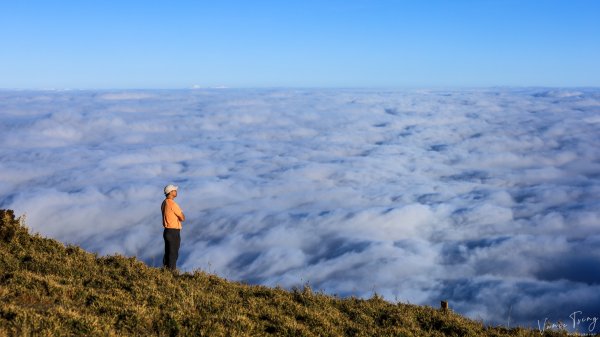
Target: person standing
x,y
172,217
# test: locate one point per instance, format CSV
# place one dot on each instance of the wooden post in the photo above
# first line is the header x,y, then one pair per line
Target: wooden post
x,y
444,305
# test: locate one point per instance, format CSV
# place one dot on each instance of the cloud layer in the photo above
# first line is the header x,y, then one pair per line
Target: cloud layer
x,y
486,198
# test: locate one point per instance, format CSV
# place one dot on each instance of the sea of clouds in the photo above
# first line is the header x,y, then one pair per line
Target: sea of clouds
x,y
489,199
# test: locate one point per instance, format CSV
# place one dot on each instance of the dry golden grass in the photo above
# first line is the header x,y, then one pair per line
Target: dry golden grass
x,y
48,289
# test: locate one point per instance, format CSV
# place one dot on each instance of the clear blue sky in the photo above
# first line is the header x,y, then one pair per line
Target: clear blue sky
x,y
304,43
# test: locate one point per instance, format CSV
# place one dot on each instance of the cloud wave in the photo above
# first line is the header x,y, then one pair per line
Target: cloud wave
x,y
486,198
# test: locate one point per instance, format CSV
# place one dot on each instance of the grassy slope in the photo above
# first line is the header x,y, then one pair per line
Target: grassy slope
x,y
49,289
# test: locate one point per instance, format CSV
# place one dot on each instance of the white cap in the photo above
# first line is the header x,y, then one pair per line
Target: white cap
x,y
169,188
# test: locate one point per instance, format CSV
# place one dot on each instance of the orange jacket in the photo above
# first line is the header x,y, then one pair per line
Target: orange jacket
x,y
172,214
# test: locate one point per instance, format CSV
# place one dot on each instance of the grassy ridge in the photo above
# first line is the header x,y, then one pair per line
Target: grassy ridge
x,y
48,289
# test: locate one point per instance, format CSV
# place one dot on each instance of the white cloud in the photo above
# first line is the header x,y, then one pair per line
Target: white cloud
x,y
486,198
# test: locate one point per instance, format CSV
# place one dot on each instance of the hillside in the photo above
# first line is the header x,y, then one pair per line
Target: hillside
x,y
48,289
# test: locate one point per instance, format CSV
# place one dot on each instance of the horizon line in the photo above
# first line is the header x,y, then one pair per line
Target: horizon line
x,y
193,88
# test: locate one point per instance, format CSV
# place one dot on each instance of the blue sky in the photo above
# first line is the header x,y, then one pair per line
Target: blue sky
x,y
357,43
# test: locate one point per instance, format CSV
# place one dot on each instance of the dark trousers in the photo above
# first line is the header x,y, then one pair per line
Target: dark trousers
x,y
172,241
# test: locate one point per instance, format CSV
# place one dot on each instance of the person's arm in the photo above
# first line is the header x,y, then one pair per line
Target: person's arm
x,y
178,212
